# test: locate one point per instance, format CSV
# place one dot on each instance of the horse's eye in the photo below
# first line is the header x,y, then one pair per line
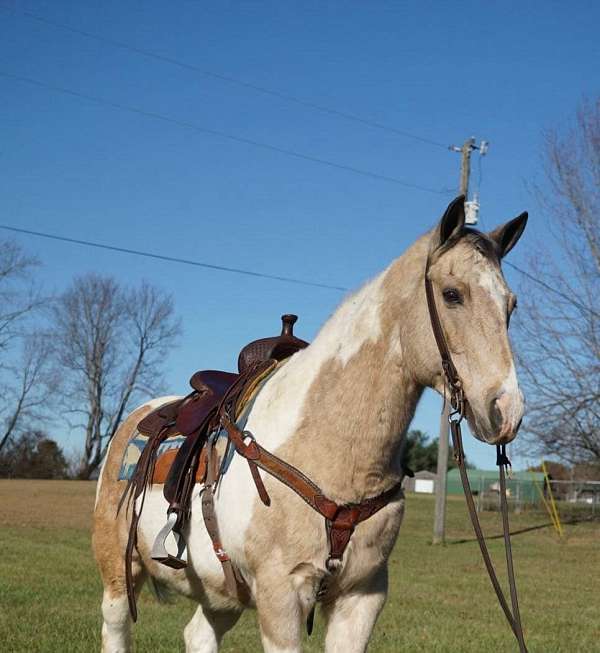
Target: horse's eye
x,y
452,296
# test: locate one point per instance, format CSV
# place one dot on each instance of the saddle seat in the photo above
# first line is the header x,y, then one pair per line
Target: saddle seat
x,y
215,381
186,416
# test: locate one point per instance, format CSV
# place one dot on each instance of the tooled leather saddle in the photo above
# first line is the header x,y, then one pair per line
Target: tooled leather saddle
x,y
191,416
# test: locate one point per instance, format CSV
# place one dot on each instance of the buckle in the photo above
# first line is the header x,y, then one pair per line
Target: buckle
x,y
456,417
246,435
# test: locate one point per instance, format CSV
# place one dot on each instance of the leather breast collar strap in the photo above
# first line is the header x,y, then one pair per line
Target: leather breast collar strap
x,y
340,519
458,403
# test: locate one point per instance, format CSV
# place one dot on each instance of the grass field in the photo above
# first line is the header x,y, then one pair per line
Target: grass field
x,y
440,598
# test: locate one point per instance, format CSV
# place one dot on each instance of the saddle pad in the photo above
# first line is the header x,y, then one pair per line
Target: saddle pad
x,y
168,449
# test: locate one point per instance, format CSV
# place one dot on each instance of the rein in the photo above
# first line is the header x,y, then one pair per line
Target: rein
x,y
458,403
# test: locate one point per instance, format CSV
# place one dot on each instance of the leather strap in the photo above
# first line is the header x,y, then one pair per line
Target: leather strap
x,y
341,520
502,462
234,582
514,621
447,363
458,402
136,488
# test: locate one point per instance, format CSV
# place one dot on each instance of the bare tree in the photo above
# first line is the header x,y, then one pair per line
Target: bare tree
x,y
17,296
109,343
559,324
28,387
24,379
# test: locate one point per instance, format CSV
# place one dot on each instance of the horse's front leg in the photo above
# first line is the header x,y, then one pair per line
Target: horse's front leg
x,y
283,601
351,617
204,632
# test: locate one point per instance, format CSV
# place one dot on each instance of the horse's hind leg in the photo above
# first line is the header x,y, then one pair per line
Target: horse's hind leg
x,y
109,540
204,632
116,626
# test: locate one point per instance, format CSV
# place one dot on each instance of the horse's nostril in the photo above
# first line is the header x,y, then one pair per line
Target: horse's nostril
x,y
496,417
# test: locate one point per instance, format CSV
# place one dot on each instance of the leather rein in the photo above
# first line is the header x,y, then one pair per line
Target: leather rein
x,y
458,402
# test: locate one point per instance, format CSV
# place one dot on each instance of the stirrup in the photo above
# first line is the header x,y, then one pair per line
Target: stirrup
x,y
159,548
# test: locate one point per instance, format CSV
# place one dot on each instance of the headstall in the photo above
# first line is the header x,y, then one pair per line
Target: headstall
x,y
458,402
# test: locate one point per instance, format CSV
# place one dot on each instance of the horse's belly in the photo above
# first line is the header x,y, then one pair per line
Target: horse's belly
x,y
203,567
233,507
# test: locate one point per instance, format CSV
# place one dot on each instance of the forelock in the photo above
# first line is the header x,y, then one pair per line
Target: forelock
x,y
476,240
482,243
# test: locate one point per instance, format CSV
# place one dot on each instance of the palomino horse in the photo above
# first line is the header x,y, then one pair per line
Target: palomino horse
x,y
338,411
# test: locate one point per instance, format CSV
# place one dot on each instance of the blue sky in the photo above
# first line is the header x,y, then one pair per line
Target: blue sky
x,y
441,71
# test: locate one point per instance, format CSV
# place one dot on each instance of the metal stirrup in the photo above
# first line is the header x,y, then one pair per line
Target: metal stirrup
x,y
159,548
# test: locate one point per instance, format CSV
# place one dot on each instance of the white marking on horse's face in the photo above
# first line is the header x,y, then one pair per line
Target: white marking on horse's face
x,y
513,408
511,403
492,282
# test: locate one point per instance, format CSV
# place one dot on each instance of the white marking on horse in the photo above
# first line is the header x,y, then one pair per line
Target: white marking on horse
x,y
510,386
492,282
279,406
116,634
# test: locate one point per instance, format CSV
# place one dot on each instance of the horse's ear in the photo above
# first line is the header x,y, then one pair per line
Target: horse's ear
x,y
507,236
452,221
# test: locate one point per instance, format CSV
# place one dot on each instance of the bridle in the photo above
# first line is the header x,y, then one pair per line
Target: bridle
x,y
458,403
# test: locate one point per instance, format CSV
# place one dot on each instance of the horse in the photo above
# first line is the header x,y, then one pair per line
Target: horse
x,y
338,410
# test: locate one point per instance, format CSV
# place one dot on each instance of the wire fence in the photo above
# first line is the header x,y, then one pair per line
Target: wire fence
x,y
576,499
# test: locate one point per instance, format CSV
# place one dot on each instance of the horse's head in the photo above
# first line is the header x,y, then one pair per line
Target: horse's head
x,y
474,305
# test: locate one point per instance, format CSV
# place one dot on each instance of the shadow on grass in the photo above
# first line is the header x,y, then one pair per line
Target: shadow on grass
x,y
521,531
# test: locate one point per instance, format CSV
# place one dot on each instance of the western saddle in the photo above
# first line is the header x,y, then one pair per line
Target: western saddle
x,y
210,413
196,417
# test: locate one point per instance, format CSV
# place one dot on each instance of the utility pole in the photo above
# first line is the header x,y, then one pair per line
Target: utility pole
x,y
471,217
465,164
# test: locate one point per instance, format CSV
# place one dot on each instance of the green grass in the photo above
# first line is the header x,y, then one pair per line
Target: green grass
x,y
440,598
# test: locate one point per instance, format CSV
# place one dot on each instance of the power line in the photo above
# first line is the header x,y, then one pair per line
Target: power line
x,y
214,132
551,289
171,259
222,268
185,124
233,80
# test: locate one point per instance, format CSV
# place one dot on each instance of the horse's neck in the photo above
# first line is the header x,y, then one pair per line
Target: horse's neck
x,y
353,393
